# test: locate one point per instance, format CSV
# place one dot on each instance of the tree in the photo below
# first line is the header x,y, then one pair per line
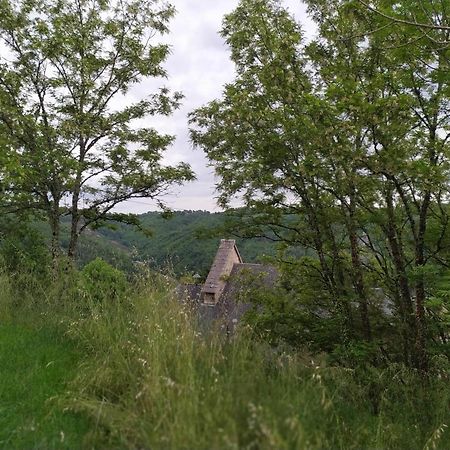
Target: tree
x,y
77,145
425,16
264,136
349,136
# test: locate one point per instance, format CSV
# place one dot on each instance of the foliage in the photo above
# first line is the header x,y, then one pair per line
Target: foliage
x,y
348,135
73,146
103,282
186,242
22,247
297,310
92,245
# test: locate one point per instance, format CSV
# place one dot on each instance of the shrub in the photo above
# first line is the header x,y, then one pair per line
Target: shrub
x,y
23,248
103,282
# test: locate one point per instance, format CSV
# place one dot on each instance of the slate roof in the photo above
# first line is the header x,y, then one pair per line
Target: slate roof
x,y
226,256
189,292
245,277
234,301
229,280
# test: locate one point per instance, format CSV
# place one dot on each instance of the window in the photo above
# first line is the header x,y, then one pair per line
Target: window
x,y
209,298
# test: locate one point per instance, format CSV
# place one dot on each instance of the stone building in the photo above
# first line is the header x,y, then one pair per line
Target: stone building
x,y
225,294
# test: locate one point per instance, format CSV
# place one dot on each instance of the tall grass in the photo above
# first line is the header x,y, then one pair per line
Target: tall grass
x,y
150,379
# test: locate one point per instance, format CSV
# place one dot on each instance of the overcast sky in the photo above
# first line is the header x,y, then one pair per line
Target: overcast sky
x,y
199,66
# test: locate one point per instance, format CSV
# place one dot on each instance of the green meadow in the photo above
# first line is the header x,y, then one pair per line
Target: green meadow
x,y
36,362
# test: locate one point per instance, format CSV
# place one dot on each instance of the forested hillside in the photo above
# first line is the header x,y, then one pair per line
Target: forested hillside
x,y
186,242
183,243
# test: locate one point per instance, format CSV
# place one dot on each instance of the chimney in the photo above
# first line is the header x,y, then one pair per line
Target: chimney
x,y
226,257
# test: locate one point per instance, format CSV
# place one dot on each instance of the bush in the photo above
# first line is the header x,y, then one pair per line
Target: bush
x,y
23,248
103,282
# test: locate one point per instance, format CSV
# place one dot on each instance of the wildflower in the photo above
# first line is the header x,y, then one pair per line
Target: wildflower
x,y
139,394
169,381
143,361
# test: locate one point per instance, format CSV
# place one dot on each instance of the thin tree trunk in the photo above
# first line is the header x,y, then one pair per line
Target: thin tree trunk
x,y
323,234
71,251
335,273
75,214
406,307
357,273
53,218
420,287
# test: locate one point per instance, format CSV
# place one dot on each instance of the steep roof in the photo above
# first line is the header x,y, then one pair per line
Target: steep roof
x,y
247,276
227,255
224,294
234,300
189,292
243,279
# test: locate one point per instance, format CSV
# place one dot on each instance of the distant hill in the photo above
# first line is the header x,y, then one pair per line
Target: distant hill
x,y
183,242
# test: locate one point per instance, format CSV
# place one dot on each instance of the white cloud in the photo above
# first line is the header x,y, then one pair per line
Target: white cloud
x,y
199,66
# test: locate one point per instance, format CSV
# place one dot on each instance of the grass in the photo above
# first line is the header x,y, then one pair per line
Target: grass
x,y
153,381
35,365
137,373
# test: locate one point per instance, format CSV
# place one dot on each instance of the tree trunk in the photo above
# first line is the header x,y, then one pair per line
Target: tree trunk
x,y
321,231
53,218
420,287
71,251
323,235
406,306
357,273
75,213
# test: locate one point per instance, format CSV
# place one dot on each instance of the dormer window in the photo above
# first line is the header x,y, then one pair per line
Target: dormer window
x,y
209,298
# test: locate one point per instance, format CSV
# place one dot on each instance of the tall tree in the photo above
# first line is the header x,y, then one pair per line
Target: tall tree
x,y
264,136
351,133
80,144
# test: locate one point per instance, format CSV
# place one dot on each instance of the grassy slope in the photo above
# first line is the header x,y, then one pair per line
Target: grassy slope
x,y
34,367
151,381
145,377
